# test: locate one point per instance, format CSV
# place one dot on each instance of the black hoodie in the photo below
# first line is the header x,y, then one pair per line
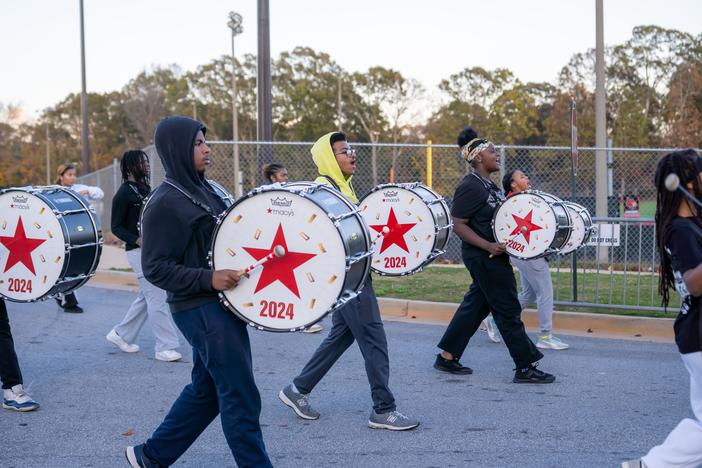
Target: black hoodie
x,y
179,220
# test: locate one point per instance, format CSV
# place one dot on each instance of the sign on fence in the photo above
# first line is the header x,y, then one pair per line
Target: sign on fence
x,y
607,236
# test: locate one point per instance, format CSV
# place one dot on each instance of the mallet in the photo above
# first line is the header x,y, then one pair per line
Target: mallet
x,y
382,232
672,183
278,251
522,230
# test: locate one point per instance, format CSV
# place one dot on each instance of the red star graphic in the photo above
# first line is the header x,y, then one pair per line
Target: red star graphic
x,y
397,232
20,247
270,210
524,226
279,268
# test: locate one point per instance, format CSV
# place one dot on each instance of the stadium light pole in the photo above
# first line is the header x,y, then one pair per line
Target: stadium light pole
x,y
235,24
85,148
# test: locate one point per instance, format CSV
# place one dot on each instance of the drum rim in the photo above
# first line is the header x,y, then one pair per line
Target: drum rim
x,y
38,191
558,202
341,298
435,252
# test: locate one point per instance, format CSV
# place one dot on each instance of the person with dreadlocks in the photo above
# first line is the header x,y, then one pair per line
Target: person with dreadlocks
x,y
679,240
151,301
494,286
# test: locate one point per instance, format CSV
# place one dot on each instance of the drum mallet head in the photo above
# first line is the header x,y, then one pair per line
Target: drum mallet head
x,y
672,183
382,233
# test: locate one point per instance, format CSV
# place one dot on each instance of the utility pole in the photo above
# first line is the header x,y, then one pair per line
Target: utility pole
x,y
48,155
234,24
85,146
601,202
265,112
338,103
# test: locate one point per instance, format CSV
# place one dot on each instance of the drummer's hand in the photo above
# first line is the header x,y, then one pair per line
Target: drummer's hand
x,y
225,279
495,248
138,242
85,193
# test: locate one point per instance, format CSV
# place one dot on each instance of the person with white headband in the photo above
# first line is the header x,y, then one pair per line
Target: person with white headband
x,y
494,287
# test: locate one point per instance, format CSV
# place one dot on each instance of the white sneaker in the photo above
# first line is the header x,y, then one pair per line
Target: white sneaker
x,y
117,340
313,329
492,331
168,355
17,399
550,342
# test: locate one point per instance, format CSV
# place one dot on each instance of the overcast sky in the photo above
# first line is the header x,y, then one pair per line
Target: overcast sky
x,y
426,40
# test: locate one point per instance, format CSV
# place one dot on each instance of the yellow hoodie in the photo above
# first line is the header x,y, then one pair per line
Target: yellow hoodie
x,y
323,157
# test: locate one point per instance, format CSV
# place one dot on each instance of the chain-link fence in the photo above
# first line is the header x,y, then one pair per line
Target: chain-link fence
x,y
629,175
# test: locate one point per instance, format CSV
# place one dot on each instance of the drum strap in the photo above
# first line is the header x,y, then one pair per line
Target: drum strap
x,y
331,181
190,197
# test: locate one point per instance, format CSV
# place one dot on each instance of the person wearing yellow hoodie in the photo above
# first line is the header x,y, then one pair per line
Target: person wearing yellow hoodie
x,y
358,320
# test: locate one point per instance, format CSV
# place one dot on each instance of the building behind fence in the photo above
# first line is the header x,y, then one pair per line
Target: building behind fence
x,y
625,276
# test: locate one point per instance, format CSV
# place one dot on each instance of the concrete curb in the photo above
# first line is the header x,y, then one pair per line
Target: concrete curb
x,y
569,323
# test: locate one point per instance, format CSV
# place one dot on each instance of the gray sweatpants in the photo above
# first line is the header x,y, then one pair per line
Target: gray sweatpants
x,y
536,288
358,320
151,303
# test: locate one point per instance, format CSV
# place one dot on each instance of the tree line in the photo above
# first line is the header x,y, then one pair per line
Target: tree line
x,y
653,86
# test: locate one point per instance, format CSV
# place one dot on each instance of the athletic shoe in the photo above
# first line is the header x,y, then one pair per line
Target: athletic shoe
x,y
137,459
169,355
532,375
394,421
76,309
17,399
117,340
492,331
299,402
550,342
452,366
313,329
634,464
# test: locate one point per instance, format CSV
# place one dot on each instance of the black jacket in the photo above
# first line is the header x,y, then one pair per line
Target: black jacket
x,y
179,220
126,208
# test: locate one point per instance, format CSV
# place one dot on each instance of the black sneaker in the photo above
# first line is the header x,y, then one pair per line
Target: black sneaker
x,y
76,309
138,459
452,366
532,375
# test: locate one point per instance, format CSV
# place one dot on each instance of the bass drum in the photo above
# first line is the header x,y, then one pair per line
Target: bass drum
x,y
50,242
326,263
532,224
226,197
419,226
582,227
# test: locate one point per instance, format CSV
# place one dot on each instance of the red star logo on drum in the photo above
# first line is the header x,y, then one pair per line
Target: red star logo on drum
x,y
397,232
524,226
20,247
279,268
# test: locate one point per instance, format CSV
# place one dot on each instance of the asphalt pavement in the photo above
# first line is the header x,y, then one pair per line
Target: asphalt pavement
x,y
612,400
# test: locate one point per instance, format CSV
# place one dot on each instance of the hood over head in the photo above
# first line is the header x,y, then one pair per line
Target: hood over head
x,y
324,159
175,140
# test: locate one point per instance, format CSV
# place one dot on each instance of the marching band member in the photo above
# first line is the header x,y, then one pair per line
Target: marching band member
x,y
178,224
535,276
679,240
67,178
358,320
14,395
494,286
151,301
275,173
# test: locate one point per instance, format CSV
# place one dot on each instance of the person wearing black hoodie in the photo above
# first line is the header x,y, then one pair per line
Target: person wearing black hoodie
x,y
177,228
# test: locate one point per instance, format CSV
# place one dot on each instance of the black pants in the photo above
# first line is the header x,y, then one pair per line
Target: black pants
x,y
494,289
358,320
67,300
10,374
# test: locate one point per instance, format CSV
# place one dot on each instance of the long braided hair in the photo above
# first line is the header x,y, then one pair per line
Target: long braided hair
x,y
133,164
687,165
